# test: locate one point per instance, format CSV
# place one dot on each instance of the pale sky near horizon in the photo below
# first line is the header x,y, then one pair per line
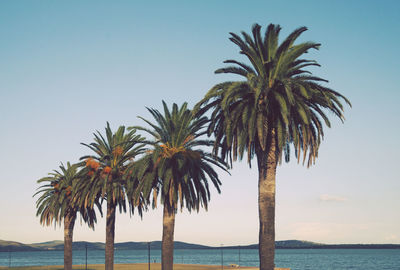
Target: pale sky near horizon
x,y
67,67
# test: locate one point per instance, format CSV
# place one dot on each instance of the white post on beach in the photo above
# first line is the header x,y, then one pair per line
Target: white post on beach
x,y
239,256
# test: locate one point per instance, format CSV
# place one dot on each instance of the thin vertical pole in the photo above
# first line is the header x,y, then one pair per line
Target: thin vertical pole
x,y
86,257
148,252
239,257
222,257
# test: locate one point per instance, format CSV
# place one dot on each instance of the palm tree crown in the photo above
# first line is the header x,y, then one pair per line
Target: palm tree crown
x,y
113,154
176,168
56,200
278,97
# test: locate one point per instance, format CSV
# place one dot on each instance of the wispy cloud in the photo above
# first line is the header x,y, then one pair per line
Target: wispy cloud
x,y
331,198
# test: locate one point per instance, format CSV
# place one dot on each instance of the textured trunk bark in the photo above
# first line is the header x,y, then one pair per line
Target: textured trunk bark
x,y
167,249
267,162
69,222
110,232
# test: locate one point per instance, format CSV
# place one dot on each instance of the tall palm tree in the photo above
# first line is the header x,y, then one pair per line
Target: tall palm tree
x,y
56,204
177,168
113,153
278,104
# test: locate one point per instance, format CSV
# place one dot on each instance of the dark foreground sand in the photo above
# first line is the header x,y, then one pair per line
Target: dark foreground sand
x,y
137,266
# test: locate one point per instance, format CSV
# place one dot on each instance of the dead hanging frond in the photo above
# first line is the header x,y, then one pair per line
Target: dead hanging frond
x,y
169,151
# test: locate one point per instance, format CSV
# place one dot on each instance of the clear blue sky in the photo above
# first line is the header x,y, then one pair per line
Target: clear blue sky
x,y
67,67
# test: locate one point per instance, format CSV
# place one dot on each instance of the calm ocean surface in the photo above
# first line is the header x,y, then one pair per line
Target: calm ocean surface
x,y
296,259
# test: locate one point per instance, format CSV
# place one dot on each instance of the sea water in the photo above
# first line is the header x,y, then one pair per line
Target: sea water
x,y
296,259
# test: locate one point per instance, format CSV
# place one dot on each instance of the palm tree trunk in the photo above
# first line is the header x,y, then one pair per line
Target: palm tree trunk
x,y
110,233
167,249
69,222
267,162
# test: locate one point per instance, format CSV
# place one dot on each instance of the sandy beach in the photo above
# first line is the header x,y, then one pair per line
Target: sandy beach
x,y
137,266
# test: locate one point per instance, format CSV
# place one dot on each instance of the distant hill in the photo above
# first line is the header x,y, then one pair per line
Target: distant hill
x,y
59,245
6,246
15,246
48,245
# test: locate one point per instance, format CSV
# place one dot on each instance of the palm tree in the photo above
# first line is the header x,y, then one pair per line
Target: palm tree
x,y
56,204
176,168
278,104
113,153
